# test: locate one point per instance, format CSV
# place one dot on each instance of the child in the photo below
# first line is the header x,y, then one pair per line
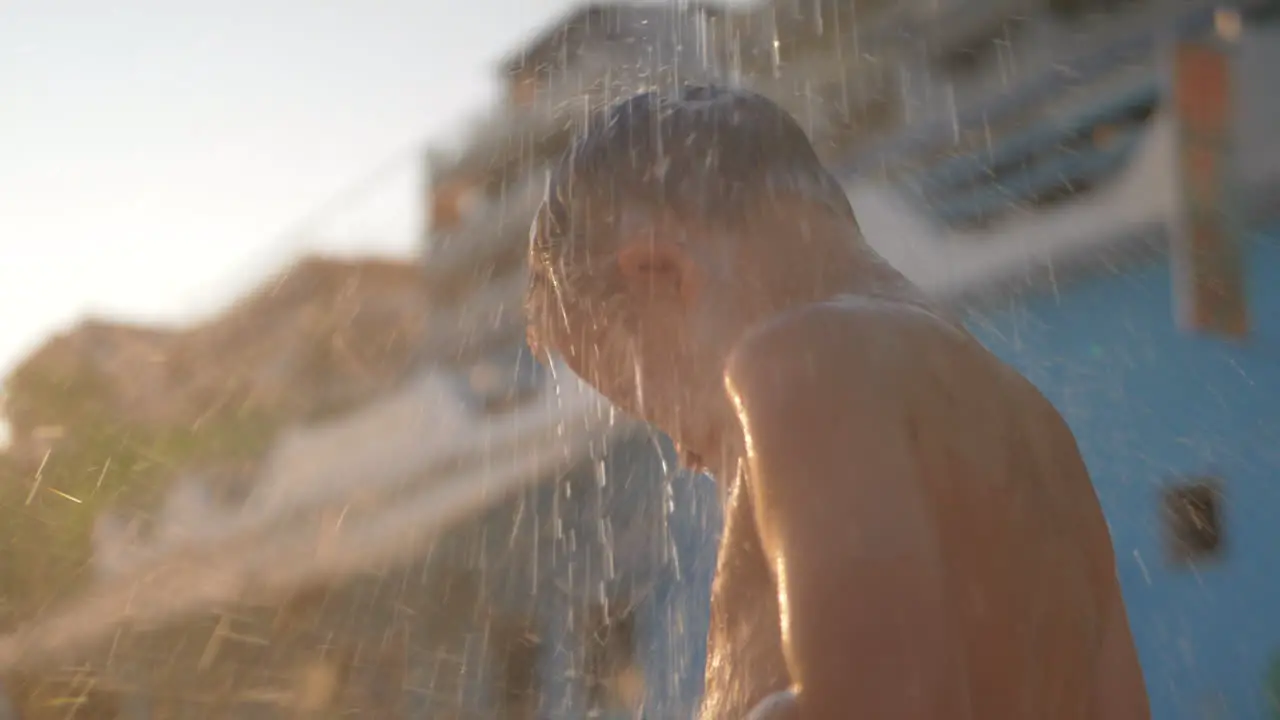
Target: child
x,y
910,531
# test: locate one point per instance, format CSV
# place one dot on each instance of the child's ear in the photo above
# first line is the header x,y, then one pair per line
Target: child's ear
x,y
650,261
657,267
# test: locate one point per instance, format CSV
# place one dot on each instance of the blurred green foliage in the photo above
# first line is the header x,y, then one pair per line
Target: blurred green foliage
x,y
48,502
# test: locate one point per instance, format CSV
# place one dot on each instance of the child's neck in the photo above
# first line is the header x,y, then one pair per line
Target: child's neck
x,y
834,261
866,274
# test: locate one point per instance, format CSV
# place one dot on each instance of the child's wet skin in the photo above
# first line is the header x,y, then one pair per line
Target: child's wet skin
x,y
910,531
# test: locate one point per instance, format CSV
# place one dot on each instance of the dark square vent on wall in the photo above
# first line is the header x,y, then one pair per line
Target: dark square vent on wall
x,y
1193,520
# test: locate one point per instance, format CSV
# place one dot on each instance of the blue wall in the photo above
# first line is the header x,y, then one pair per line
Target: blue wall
x,y
628,529
1150,404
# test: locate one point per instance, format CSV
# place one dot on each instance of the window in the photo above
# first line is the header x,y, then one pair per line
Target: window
x,y
524,89
1193,520
1073,10
516,650
614,679
1272,685
964,61
968,56
506,379
1069,9
302,610
452,199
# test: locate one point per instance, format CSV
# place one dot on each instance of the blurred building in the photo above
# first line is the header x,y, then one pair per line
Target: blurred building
x,y
1093,185
581,591
623,596
1028,162
1018,158
482,197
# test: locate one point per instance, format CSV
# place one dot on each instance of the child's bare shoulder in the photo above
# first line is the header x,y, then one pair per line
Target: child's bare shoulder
x,y
849,341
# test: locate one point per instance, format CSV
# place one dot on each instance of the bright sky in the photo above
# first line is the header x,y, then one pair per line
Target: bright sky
x,y
154,154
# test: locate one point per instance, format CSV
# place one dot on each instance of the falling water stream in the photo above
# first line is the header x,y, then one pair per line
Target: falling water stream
x,y
487,540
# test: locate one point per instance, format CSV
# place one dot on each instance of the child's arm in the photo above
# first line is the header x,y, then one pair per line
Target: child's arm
x,y
841,516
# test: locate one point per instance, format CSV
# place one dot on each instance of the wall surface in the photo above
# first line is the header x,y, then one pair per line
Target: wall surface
x,y
1258,149
1150,406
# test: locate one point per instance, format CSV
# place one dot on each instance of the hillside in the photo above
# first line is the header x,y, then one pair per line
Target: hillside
x,y
108,414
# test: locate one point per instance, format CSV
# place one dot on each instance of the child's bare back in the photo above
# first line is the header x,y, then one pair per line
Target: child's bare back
x,y
910,530
1024,615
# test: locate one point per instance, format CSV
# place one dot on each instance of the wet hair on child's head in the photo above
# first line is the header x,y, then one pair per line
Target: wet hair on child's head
x,y
707,153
